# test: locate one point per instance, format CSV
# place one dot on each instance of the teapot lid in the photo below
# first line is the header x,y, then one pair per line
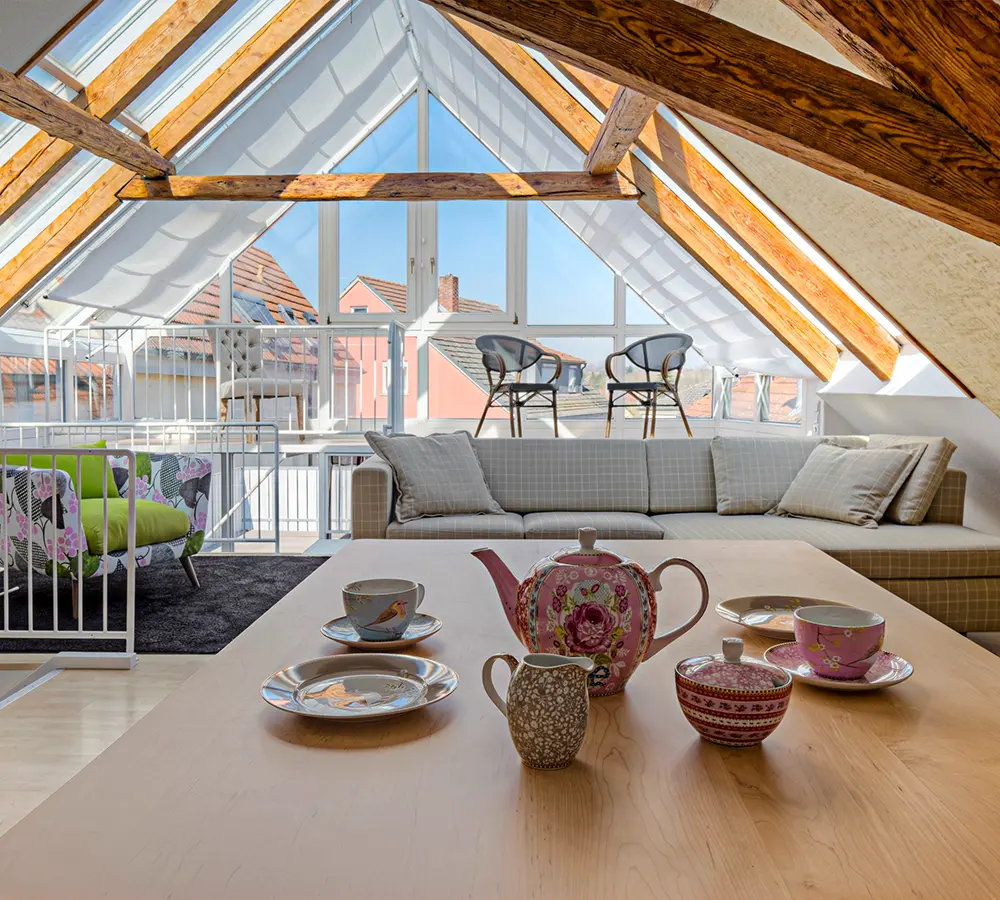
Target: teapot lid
x,y
586,553
731,669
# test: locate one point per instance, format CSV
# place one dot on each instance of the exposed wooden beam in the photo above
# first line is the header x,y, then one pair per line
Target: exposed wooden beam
x,y
758,234
945,53
22,99
843,124
125,78
663,205
192,115
624,118
405,186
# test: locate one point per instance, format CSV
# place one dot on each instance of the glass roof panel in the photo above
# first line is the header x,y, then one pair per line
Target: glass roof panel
x,y
14,134
103,34
222,39
36,316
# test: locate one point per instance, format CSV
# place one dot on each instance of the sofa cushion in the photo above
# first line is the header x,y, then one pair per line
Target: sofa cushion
x,y
155,523
910,505
93,469
609,525
538,474
753,473
504,525
437,475
889,551
853,486
681,478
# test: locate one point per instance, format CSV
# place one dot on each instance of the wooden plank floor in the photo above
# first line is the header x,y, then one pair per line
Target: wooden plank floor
x,y
51,733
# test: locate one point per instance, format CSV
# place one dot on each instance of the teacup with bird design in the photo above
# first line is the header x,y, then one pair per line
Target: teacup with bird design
x,y
380,609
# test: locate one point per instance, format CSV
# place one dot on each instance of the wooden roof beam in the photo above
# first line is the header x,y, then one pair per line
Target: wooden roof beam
x,y
192,115
624,118
106,97
752,230
664,206
945,53
403,186
22,99
843,124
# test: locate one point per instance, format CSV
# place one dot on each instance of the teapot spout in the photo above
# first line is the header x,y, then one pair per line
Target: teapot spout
x,y
505,582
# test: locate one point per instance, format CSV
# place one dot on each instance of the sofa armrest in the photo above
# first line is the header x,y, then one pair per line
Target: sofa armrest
x,y
948,505
371,498
172,479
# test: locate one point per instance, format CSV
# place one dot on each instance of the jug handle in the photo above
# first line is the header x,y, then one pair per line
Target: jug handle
x,y
658,643
491,690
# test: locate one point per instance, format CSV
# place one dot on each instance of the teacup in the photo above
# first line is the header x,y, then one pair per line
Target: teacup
x,y
380,609
839,641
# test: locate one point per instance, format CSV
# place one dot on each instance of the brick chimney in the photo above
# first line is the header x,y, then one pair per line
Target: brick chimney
x,y
448,293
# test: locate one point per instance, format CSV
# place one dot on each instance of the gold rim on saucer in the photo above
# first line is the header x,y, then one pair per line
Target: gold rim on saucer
x,y
343,632
348,687
769,615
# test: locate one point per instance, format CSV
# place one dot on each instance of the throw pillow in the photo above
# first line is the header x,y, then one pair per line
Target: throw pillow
x,y
916,495
753,473
92,469
853,486
437,475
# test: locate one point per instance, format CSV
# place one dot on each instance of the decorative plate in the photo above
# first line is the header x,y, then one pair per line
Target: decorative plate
x,y
349,687
769,615
888,670
343,632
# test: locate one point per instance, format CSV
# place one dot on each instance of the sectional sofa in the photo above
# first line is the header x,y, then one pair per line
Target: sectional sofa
x,y
666,490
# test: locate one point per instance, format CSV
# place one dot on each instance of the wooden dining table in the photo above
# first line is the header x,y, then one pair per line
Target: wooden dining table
x,y
214,794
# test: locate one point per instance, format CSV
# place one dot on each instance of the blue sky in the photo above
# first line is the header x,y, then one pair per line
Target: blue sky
x,y
567,283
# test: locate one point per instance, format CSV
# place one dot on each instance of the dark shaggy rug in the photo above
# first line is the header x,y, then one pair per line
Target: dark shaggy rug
x,y
171,616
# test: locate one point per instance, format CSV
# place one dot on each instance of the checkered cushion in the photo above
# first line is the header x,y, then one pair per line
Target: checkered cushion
x,y
753,473
889,551
948,505
609,525
853,486
681,478
371,498
505,525
540,475
437,475
965,604
910,505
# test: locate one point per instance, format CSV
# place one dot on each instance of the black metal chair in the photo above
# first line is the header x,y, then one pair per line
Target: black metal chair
x,y
503,356
662,354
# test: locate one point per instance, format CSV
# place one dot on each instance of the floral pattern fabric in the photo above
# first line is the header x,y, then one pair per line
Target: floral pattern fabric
x,y
38,514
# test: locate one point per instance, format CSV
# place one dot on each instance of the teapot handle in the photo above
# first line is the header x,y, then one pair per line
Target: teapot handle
x,y
658,643
491,690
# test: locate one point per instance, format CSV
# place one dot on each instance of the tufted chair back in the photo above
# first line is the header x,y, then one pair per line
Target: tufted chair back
x,y
240,353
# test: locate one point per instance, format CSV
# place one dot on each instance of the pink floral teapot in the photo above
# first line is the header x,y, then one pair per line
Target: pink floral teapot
x,y
587,601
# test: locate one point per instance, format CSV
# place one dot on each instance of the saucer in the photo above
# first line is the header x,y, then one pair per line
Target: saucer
x,y
343,632
769,615
888,670
350,686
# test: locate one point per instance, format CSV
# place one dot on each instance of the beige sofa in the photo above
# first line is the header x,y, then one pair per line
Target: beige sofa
x,y
665,490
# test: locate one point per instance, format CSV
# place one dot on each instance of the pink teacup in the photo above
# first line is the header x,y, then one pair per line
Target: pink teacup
x,y
839,641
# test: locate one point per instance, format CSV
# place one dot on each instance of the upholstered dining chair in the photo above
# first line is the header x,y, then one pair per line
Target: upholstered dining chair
x,y
504,355
661,355
244,375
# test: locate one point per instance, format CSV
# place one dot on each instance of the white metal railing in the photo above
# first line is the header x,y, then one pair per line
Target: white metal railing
x,y
337,379
244,495
42,540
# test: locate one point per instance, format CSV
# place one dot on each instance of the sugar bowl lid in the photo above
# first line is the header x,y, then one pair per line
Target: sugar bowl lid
x,y
586,553
731,669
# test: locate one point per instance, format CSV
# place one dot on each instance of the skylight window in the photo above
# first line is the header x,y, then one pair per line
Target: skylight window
x,y
103,34
252,309
288,314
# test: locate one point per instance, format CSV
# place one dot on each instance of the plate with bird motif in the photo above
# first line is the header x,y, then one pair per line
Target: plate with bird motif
x,y
349,687
769,615
343,632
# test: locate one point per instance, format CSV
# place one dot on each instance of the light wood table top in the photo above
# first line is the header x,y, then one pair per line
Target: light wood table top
x,y
214,794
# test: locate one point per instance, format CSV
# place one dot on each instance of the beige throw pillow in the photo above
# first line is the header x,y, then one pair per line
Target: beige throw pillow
x,y
437,475
916,495
853,486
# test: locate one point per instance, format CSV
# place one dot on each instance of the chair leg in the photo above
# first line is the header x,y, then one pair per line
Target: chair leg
x,y
684,417
520,429
482,418
555,417
645,424
190,572
607,428
510,411
300,415
224,412
652,431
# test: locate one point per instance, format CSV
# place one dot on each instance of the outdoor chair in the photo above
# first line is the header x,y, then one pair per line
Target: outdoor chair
x,y
503,356
662,355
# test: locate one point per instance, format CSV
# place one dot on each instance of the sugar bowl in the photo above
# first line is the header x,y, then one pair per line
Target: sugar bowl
x,y
730,698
